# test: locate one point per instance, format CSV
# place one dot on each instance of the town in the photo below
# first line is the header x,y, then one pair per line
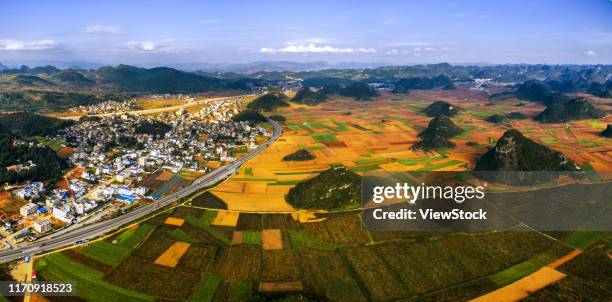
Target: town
x,y
123,159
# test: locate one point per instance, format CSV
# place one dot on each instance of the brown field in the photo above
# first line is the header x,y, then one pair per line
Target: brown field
x,y
272,239
173,254
282,287
174,221
279,266
237,237
239,262
10,205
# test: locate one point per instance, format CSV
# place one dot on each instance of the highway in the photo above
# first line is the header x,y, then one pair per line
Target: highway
x,y
97,229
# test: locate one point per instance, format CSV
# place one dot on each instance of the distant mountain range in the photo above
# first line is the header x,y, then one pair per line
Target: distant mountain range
x,y
547,84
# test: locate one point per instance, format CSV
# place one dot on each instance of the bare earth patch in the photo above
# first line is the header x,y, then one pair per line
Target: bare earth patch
x,y
280,286
272,239
237,237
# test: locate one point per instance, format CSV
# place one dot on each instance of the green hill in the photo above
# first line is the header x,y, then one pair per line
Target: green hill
x,y
32,80
608,132
537,92
437,134
299,155
70,76
515,152
441,107
155,80
153,128
46,164
250,116
602,90
360,91
25,124
501,118
307,96
332,189
268,102
573,110
424,83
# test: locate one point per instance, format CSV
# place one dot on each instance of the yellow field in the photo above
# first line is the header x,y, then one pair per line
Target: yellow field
x,y
174,221
521,288
173,254
151,103
225,218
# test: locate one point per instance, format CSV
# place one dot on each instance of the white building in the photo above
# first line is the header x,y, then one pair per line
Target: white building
x,y
42,226
28,209
63,213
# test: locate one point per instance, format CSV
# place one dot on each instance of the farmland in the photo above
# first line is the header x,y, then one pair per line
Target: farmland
x,y
333,258
242,239
377,136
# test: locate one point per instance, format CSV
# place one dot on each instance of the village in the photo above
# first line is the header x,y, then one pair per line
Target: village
x,y
123,159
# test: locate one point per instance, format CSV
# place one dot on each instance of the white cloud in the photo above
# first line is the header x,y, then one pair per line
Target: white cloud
x,y
10,44
103,29
313,48
145,46
209,21
590,53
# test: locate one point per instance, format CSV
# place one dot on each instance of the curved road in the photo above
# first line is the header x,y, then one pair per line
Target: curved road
x,y
100,228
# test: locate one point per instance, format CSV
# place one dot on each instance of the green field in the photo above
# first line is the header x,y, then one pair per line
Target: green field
x,y
204,222
106,252
301,239
251,237
447,164
364,168
421,160
89,284
131,238
179,235
585,239
239,291
323,137
207,288
55,145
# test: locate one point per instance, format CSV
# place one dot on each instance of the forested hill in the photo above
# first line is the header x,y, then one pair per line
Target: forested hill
x,y
25,124
38,163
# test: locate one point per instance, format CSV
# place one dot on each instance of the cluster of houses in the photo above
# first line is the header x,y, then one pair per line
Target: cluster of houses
x,y
115,157
106,107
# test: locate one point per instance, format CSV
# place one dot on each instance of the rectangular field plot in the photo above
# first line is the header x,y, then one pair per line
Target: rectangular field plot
x,y
238,262
90,284
106,252
279,266
325,274
156,280
173,254
381,282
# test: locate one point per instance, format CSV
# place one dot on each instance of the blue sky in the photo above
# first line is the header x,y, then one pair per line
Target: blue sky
x,y
393,32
